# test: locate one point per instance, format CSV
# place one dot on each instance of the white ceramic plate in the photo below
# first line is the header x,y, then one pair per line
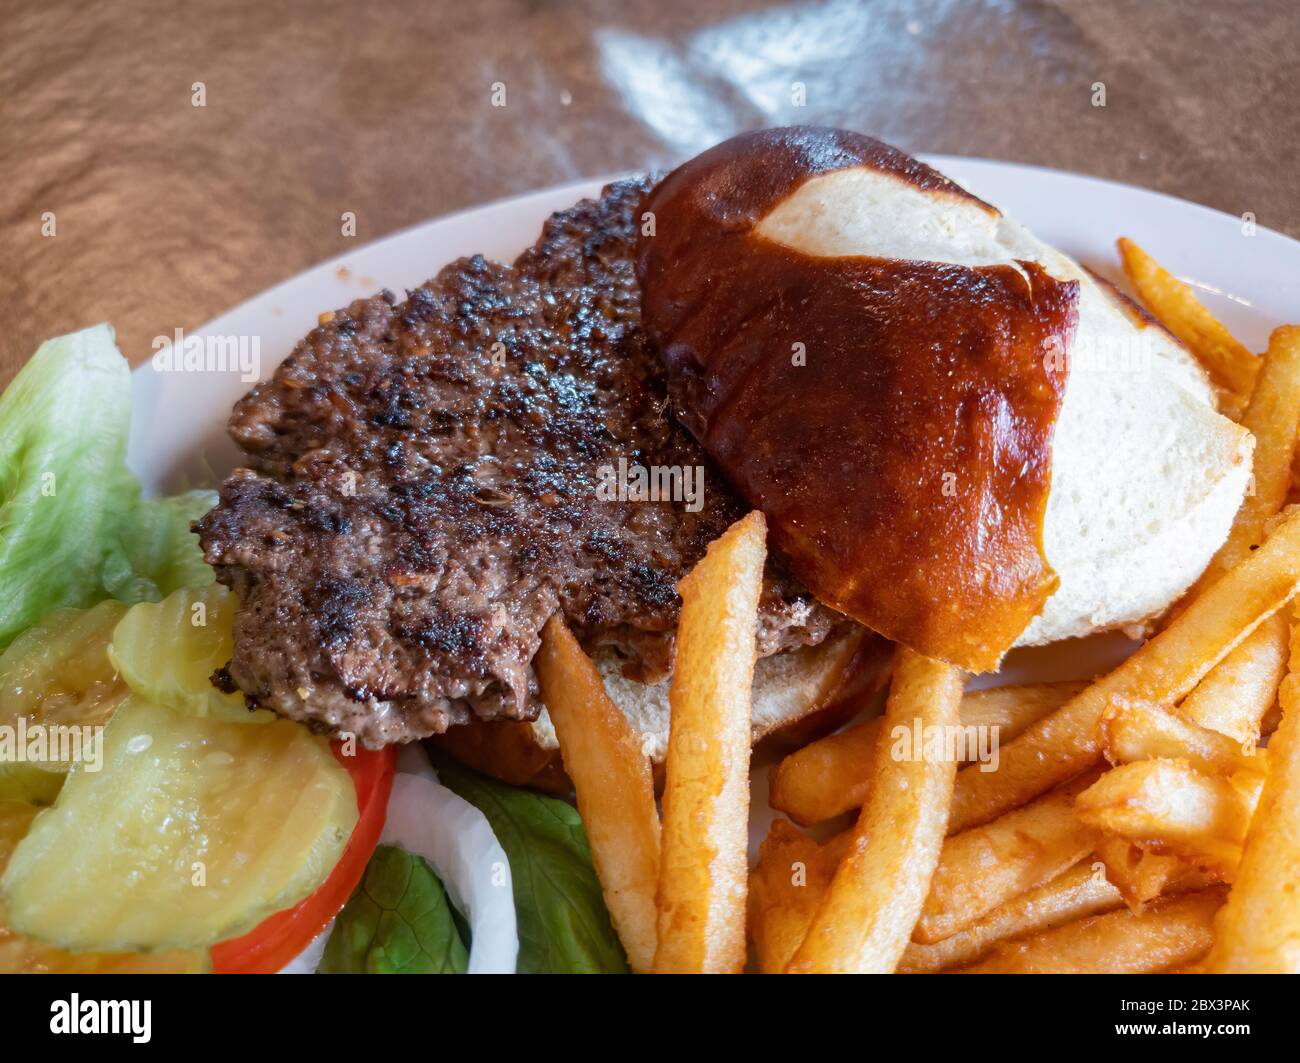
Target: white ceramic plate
x,y
1252,282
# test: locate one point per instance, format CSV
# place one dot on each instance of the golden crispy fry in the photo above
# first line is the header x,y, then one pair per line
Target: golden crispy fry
x,y
1163,671
615,788
1172,302
826,777
1133,731
703,865
987,866
1272,417
867,915
1169,806
1013,708
831,776
1077,893
1142,876
1172,932
1236,696
785,888
978,871
1259,928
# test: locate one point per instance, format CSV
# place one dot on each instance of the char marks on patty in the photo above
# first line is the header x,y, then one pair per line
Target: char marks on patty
x,y
422,494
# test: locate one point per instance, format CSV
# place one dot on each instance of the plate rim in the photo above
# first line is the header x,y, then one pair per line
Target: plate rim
x,y
939,161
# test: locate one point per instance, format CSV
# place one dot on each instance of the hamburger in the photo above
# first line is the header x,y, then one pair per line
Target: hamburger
x,y
900,377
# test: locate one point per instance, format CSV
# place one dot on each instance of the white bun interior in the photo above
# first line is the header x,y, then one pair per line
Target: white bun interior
x,y
787,686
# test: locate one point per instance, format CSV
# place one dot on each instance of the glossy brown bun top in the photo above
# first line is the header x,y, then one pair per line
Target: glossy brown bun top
x,y
892,418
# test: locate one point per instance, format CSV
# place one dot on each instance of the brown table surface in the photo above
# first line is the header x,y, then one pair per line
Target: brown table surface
x,y
167,214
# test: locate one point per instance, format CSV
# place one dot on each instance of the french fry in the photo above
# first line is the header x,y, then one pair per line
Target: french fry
x,y
1161,672
1259,928
1081,891
1172,932
827,777
785,888
703,865
1142,876
978,871
1134,731
864,921
832,775
1229,364
1169,806
990,865
614,785
1236,696
1011,709
1272,417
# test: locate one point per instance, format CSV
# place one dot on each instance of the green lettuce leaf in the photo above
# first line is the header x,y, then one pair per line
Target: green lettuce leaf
x,y
153,552
398,921
63,478
564,927
73,528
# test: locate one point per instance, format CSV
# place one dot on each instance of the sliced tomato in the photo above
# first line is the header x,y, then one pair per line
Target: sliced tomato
x,y
280,937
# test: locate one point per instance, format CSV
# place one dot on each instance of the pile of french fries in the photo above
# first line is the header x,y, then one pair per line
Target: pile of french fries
x,y
1147,821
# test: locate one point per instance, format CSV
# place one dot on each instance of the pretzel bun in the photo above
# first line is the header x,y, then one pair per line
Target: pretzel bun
x,y
960,437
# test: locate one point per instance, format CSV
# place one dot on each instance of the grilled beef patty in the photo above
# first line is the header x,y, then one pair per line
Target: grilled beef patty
x,y
422,494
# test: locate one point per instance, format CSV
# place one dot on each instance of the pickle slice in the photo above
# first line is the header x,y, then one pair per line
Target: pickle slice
x,y
24,955
194,831
167,651
54,677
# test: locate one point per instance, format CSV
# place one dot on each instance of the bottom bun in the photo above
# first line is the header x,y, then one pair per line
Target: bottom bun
x,y
797,695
